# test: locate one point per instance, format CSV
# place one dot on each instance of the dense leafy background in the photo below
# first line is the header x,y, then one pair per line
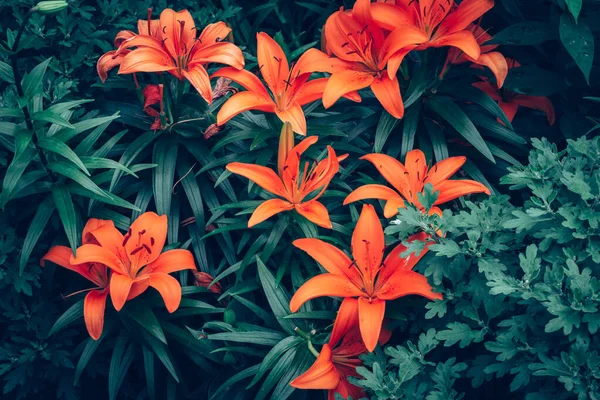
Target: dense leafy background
x,y
521,285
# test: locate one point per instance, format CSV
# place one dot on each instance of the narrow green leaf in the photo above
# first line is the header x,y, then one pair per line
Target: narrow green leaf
x,y
385,126
449,111
74,313
253,337
579,42
51,117
273,355
6,73
574,7
32,82
88,351
528,33
165,156
122,357
277,297
60,148
97,162
38,224
143,315
66,212
70,171
244,374
411,121
14,172
149,370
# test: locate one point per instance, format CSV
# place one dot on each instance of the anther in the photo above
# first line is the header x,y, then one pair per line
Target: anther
x,y
151,241
147,249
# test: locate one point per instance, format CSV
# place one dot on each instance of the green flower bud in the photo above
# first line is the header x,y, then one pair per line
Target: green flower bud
x,y
51,7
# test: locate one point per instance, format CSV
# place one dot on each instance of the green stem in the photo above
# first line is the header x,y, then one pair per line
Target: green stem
x,y
312,349
167,99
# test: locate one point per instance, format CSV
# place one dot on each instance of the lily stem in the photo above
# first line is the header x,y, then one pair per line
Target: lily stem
x,y
167,99
15,66
307,336
312,349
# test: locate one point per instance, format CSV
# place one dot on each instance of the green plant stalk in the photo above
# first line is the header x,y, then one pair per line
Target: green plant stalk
x,y
167,98
307,337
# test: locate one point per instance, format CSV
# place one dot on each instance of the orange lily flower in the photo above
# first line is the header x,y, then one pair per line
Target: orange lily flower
x,y
494,60
409,180
510,102
136,260
366,278
440,21
363,51
336,362
287,185
113,58
94,303
289,88
179,52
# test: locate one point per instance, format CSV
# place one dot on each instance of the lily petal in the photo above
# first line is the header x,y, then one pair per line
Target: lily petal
x,y
267,209
398,39
323,285
444,170
464,40
315,212
509,108
246,79
214,33
139,286
346,319
242,102
394,62
321,375
391,207
120,285
387,92
178,31
222,53
379,192
466,12
488,89
295,116
108,61
264,177
93,312
404,283
389,16
450,190
146,59
368,243
109,238
344,82
392,171
91,253
537,103
199,79
496,62
394,262
169,289
416,165
172,261
273,62
332,259
147,236
370,318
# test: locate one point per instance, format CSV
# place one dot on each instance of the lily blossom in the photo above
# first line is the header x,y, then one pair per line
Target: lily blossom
x,y
335,363
363,52
368,278
440,21
113,58
408,180
494,60
180,52
288,88
136,260
292,185
510,102
94,303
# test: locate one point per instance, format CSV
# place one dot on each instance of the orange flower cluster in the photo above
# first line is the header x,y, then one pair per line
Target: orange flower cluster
x,y
123,266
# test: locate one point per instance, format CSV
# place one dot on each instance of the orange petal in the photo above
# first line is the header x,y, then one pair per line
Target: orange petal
x,y
172,261
398,39
332,259
310,91
434,11
405,283
242,102
147,236
91,225
392,171
286,144
222,53
394,262
154,27
199,79
537,103
295,116
393,64
246,79
93,312
59,255
292,162
389,16
344,82
509,108
139,286
267,209
379,192
107,62
323,285
315,212
313,60
387,92
368,242
120,285
370,319
91,253
466,12
108,237
391,207
146,59
214,33
338,28
273,62
169,289
264,177
450,190
488,89
464,40
178,31
416,165
496,62
346,319
444,170
321,375
123,36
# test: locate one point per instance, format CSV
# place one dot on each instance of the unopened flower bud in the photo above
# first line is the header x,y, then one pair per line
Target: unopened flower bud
x,y
203,279
51,7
